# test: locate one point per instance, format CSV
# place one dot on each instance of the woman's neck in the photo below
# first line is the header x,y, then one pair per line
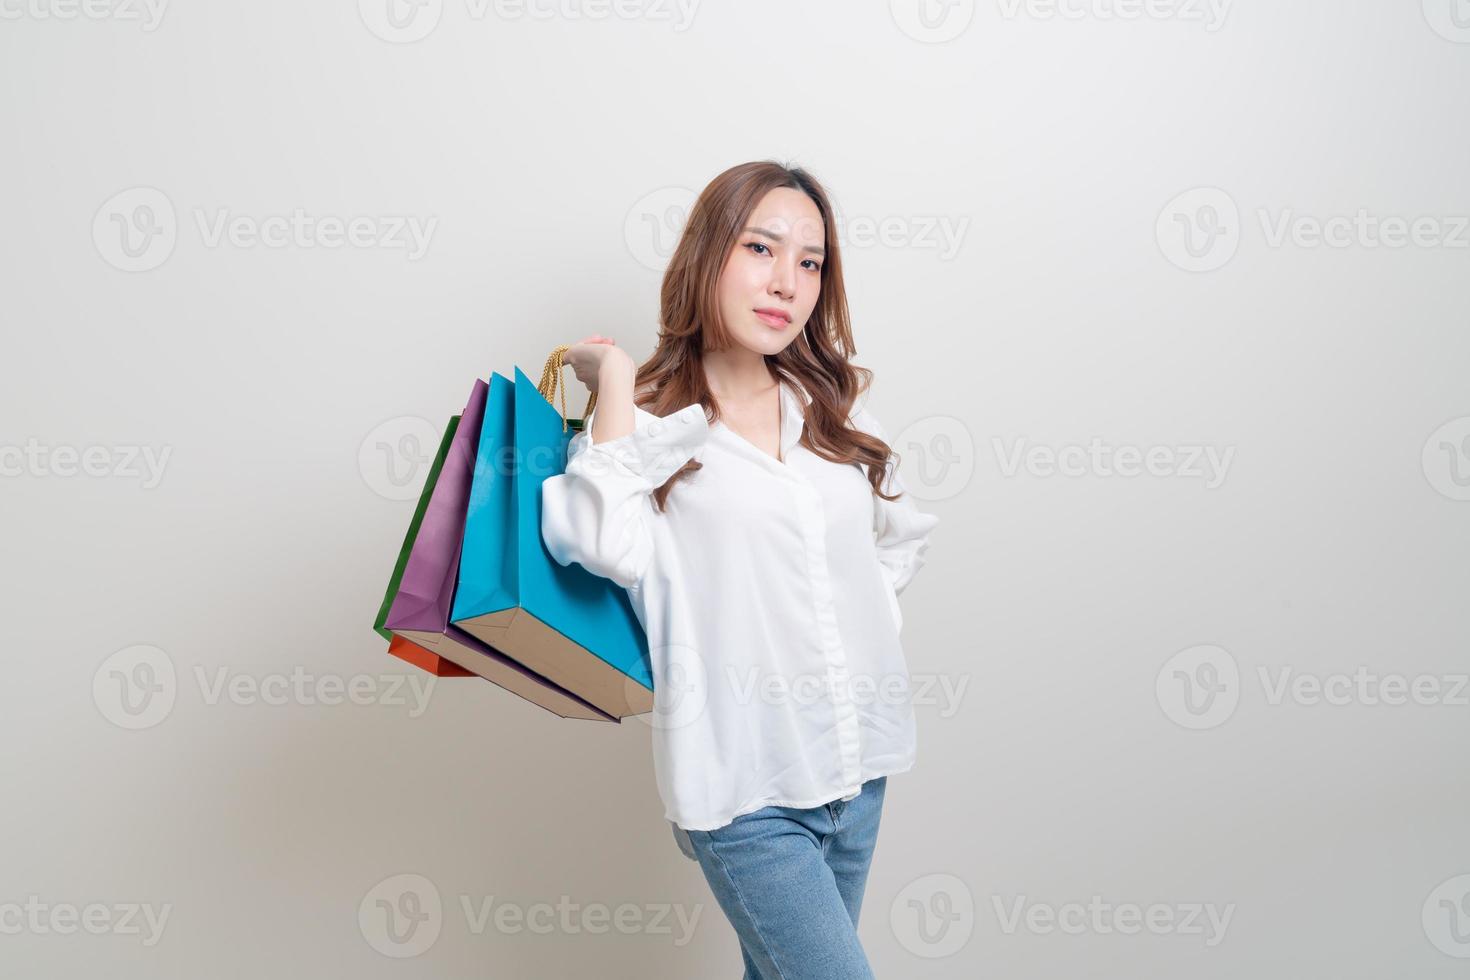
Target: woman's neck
x,y
737,375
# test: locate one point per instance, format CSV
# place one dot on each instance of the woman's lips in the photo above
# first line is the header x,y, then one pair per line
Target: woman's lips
x,y
772,320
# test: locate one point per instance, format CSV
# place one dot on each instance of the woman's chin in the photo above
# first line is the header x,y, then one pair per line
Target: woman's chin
x,y
768,344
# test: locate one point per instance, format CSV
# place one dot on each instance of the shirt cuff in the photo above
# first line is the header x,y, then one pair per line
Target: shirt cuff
x,y
656,449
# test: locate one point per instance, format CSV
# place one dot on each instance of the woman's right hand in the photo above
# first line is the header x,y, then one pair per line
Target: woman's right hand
x,y
587,356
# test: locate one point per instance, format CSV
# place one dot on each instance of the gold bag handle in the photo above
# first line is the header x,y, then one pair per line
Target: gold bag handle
x,y
551,382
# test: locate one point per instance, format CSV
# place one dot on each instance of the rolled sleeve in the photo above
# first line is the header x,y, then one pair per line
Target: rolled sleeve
x,y
599,512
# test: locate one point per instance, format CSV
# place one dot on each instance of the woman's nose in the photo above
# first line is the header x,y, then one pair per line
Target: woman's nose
x,y
781,282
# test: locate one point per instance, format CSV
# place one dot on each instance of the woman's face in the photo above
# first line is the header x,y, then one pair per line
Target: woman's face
x,y
775,266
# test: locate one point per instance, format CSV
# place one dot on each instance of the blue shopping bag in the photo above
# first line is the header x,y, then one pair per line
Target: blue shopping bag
x,y
576,629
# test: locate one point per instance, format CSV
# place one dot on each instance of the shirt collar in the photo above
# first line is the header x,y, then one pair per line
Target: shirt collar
x,y
793,416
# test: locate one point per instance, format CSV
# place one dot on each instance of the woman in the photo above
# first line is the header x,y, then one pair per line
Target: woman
x,y
756,518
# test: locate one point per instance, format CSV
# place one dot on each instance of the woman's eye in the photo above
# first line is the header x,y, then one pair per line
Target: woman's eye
x,y
814,264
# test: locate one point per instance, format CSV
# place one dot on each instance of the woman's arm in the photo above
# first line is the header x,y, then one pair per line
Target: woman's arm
x,y
599,513
900,530
615,376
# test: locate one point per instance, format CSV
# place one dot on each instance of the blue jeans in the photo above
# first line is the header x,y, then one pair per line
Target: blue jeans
x,y
791,883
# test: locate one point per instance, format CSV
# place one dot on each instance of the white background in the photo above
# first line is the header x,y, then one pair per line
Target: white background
x,y
1072,154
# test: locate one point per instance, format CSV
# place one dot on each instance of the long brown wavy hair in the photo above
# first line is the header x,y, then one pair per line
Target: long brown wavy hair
x,y
818,361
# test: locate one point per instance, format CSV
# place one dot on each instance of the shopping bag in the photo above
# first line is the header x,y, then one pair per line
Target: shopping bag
x,y
425,659
420,610
563,622
397,646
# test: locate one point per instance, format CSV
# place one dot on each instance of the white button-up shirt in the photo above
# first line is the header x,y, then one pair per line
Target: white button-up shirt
x,y
768,591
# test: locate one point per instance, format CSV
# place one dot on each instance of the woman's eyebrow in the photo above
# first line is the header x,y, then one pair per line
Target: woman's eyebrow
x,y
781,238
